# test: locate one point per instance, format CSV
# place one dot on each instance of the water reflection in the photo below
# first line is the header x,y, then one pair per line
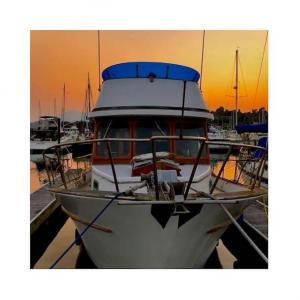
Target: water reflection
x,y
232,169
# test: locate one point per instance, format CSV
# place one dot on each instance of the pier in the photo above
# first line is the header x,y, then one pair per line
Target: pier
x,y
46,219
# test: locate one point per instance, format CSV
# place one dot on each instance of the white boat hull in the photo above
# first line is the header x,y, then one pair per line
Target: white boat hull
x,y
138,240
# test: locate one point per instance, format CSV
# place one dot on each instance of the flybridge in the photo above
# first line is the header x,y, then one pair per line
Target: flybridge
x,y
150,69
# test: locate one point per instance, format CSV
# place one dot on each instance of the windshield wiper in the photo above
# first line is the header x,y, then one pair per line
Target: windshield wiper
x,y
159,128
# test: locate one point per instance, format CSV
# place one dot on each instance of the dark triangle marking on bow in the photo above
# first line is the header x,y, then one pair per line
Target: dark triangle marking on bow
x,y
162,213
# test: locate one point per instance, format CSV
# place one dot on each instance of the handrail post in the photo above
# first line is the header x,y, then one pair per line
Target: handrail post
x,y
258,170
194,169
60,168
155,169
262,171
47,171
221,170
112,165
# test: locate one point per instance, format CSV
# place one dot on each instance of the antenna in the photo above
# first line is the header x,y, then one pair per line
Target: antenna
x,y
203,39
99,83
54,107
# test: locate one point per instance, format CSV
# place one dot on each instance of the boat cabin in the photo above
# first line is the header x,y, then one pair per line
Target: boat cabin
x,y
141,100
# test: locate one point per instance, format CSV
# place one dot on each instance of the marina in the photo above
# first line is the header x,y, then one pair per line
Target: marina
x,y
147,179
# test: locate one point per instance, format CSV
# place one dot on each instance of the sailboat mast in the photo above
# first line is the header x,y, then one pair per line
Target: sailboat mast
x,y
201,74
89,94
39,108
99,83
63,106
236,85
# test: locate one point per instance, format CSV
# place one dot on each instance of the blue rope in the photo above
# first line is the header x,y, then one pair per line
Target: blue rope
x,y
85,230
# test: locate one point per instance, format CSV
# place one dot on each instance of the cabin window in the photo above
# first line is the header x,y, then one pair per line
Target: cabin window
x,y
114,129
147,129
188,148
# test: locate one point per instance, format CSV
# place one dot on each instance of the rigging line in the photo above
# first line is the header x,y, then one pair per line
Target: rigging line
x,y
243,77
201,73
230,85
262,59
92,99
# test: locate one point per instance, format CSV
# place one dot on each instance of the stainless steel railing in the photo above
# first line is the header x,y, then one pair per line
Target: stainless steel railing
x,y
259,162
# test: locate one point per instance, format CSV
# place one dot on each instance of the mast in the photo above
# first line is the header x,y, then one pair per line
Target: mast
x,y
89,94
203,39
54,112
236,87
88,101
99,83
63,107
39,108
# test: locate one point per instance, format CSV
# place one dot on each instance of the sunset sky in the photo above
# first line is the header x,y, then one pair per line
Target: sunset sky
x,y
58,57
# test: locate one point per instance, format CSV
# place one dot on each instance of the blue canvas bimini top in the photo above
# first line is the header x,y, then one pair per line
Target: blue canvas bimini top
x,y
150,69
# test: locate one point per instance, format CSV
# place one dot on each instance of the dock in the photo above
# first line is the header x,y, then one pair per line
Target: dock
x,y
46,219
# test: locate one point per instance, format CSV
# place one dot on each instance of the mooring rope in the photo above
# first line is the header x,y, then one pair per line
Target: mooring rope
x,y
77,239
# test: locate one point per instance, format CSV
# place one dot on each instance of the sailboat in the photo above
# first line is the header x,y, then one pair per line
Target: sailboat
x,y
84,150
221,135
150,199
48,133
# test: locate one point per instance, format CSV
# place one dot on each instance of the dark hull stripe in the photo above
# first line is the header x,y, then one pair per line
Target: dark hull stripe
x,y
150,107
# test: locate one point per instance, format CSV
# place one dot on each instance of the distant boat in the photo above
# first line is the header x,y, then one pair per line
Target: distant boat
x,y
46,135
220,135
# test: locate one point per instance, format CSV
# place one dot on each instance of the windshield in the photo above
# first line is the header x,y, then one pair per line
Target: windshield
x,y
114,129
147,129
188,148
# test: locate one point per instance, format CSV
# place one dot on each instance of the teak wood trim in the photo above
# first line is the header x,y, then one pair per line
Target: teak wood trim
x,y
78,219
221,225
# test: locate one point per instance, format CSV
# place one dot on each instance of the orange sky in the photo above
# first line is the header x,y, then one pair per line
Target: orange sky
x,y
58,57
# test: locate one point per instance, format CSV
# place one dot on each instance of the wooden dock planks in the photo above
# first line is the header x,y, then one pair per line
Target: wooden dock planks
x,y
46,219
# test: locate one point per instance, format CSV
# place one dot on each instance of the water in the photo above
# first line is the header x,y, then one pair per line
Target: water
x,y
66,234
